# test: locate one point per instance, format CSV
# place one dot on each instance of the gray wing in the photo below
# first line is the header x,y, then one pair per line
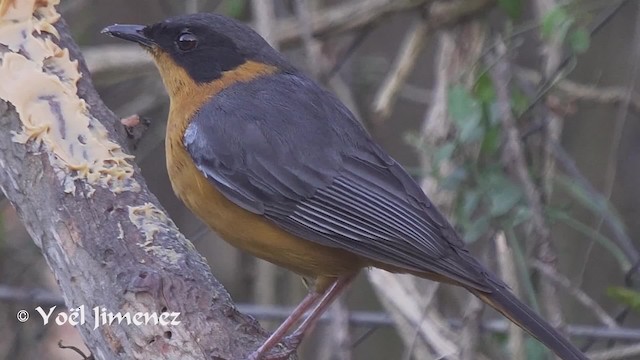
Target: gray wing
x,y
286,149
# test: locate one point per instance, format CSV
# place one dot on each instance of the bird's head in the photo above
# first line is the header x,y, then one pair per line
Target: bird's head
x,y
202,48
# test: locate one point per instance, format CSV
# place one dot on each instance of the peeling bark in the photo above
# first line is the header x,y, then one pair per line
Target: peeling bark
x,y
100,258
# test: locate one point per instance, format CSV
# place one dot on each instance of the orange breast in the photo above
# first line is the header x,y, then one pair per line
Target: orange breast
x,y
241,228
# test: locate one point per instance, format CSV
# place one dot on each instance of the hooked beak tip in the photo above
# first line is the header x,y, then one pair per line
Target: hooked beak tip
x,y
133,33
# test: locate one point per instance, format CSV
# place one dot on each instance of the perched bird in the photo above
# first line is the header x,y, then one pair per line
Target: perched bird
x,y
280,168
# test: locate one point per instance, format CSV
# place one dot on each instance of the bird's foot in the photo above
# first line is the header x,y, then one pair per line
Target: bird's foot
x,y
286,348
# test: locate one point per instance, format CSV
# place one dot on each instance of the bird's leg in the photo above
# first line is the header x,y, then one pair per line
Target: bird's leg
x,y
288,323
292,341
307,325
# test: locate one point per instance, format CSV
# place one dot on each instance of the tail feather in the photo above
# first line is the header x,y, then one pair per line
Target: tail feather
x,y
506,303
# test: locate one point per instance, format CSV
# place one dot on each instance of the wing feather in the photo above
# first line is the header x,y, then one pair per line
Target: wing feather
x,y
324,179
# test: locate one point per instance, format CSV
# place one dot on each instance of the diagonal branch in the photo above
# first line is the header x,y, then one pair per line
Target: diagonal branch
x,y
409,51
578,294
508,273
515,162
345,17
104,235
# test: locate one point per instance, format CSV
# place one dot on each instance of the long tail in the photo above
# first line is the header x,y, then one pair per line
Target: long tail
x,y
506,303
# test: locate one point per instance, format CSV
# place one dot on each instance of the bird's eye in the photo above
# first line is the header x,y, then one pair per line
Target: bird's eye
x,y
187,41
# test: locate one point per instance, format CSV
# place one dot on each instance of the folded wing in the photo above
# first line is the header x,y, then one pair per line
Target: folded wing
x,y
290,151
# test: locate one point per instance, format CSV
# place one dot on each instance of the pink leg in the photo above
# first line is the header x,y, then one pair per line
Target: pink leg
x,y
291,342
329,296
288,323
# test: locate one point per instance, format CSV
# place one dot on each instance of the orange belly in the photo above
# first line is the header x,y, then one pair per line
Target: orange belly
x,y
251,232
241,228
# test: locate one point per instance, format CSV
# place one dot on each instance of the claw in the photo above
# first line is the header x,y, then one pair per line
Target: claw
x,y
287,347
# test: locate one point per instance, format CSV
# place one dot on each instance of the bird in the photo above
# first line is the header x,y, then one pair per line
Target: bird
x,y
277,166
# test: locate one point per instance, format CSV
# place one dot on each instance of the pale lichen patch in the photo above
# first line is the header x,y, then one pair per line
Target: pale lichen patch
x,y
90,190
40,80
68,183
151,221
168,255
120,232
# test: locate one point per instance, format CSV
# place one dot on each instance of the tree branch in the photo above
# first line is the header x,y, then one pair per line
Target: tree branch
x,y
552,52
620,352
338,19
508,273
423,331
584,92
408,54
577,293
104,235
514,160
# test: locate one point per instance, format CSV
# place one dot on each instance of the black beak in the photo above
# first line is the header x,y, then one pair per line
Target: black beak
x,y
133,33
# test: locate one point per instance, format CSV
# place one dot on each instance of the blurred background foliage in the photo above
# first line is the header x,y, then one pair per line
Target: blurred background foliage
x,y
572,82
